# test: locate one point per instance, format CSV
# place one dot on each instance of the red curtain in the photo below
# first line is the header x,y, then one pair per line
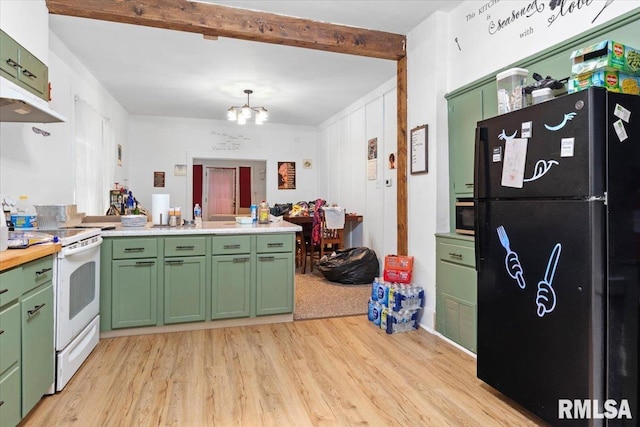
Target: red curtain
x,y
245,186
197,184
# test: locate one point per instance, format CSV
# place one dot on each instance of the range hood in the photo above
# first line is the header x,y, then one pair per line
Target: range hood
x,y
18,105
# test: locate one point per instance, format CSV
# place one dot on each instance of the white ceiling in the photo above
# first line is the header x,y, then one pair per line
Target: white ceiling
x,y
157,72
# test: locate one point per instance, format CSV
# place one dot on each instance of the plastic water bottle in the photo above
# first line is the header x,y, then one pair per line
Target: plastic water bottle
x,y
197,214
254,213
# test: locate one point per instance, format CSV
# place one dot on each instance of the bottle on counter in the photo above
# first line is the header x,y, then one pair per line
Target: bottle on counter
x,y
263,213
254,213
197,214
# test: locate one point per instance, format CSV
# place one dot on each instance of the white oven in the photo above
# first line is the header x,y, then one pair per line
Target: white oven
x,y
77,299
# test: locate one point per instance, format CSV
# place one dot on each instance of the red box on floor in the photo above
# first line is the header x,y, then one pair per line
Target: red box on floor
x,y
398,262
398,276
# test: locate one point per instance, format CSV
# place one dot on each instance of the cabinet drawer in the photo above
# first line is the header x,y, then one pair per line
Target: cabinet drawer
x,y
184,246
10,285
457,254
275,243
229,245
135,248
9,336
37,272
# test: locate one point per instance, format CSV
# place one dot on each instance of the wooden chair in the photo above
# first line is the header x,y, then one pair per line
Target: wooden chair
x,y
331,239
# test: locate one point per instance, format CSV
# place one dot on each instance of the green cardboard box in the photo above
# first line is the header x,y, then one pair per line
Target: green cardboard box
x,y
607,55
613,81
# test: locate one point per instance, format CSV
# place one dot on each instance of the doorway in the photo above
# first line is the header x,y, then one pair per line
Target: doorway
x,y
221,191
227,187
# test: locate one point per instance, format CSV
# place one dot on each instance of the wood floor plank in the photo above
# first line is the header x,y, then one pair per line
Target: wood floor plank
x,y
324,372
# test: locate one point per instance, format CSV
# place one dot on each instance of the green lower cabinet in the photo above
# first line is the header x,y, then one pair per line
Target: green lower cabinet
x,y
38,352
456,290
274,277
184,289
10,397
231,286
134,288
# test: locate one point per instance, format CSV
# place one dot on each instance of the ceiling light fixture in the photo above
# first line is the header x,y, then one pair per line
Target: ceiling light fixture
x,y
244,113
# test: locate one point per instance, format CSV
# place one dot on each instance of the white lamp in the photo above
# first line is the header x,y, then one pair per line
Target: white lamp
x,y
244,113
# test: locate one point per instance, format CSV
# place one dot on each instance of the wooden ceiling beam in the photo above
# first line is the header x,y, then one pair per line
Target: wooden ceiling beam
x,y
215,20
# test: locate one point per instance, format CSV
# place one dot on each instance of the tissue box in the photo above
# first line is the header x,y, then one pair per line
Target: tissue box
x,y
607,55
24,221
613,81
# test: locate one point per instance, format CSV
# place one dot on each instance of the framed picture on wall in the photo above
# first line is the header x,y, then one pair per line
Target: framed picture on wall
x,y
419,149
286,175
158,179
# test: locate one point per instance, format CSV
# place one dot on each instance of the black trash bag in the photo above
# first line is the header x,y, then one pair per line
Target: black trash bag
x,y
350,266
280,209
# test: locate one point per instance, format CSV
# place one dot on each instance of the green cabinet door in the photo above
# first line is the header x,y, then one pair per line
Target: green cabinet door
x,y
9,336
465,111
134,287
38,352
274,283
10,397
184,289
231,286
456,291
9,59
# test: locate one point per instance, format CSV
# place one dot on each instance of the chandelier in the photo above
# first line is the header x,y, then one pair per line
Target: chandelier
x,y
244,113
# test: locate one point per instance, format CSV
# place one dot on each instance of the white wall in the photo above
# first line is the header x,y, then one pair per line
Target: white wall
x,y
342,160
428,203
43,168
159,143
490,38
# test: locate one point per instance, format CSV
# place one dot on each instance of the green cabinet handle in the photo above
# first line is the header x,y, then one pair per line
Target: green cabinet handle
x,y
28,73
174,261
1,331
266,258
134,249
185,248
35,309
43,271
455,255
231,246
275,245
13,63
4,291
240,259
142,263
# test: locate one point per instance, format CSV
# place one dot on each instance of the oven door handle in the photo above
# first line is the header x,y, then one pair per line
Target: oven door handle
x,y
79,249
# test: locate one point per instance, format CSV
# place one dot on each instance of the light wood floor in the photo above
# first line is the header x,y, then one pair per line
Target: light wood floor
x,y
326,372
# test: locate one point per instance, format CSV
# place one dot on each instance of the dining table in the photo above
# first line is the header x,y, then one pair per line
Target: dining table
x,y
306,222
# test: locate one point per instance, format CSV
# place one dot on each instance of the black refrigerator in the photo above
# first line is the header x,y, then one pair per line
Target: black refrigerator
x,y
557,198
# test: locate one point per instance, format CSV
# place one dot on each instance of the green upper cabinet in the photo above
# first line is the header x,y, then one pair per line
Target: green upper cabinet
x,y
18,65
464,112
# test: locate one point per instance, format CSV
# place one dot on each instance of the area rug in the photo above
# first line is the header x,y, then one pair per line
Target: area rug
x,y
316,297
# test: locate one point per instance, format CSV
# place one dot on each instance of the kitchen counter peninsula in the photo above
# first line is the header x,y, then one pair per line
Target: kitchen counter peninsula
x,y
165,279
208,227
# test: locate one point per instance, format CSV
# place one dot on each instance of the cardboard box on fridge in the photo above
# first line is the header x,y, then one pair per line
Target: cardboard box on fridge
x,y
606,55
613,81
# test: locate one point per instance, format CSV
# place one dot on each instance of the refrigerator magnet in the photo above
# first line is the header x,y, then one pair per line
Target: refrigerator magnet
x,y
566,147
515,156
622,113
618,126
526,129
497,154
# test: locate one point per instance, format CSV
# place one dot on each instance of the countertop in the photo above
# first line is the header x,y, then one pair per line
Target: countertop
x,y
208,227
15,257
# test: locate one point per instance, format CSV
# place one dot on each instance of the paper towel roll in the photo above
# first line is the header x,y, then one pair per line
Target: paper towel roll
x,y
160,209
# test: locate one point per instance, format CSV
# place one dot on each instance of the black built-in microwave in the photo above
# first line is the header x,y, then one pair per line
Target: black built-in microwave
x,y
465,214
